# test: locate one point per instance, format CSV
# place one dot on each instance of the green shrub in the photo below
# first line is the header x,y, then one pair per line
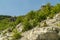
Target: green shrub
x,y
39,15
34,22
16,35
26,25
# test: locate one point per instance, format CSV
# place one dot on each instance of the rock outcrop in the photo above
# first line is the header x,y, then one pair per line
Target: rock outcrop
x,y
44,33
49,32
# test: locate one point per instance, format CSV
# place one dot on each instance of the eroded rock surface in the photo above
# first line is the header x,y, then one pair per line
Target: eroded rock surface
x,y
49,32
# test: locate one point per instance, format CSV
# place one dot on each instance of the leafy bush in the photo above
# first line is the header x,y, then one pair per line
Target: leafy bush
x,y
19,19
30,15
34,16
16,35
26,25
29,24
33,22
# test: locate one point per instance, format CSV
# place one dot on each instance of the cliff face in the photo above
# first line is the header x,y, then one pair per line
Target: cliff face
x,y
49,29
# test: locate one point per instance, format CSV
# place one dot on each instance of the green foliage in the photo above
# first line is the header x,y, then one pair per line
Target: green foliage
x,y
19,19
3,23
26,25
57,8
33,22
30,15
16,35
4,16
31,19
29,24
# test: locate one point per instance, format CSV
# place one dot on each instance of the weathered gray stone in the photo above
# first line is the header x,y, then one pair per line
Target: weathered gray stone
x,y
48,36
50,32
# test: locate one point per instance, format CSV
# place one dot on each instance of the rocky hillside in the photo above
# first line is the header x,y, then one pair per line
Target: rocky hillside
x,y
42,24
48,29
49,32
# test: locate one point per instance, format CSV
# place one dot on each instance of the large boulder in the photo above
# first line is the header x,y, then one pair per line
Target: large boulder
x,y
44,33
48,36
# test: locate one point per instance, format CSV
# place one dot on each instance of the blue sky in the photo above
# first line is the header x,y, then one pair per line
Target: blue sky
x,y
21,7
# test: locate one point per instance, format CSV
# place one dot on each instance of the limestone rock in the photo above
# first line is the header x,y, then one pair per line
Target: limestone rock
x,y
43,33
50,32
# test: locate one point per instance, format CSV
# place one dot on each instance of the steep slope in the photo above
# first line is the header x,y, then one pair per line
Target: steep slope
x,y
49,32
42,24
42,33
